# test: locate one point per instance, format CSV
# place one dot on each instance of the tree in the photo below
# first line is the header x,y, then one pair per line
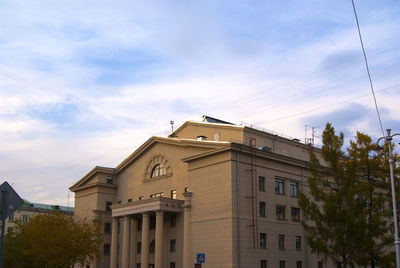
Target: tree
x,y
373,171
51,240
344,216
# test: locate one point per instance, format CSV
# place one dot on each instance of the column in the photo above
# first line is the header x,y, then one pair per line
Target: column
x,y
114,243
145,240
134,226
186,230
159,239
126,235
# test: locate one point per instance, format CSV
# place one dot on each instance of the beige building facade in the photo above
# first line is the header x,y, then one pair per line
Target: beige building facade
x,y
211,194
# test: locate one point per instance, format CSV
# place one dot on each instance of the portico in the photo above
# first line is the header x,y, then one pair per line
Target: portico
x,y
127,216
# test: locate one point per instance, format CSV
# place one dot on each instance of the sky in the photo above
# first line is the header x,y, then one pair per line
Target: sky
x,y
84,83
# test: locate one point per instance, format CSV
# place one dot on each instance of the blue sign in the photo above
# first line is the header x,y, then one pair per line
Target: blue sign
x,y
201,257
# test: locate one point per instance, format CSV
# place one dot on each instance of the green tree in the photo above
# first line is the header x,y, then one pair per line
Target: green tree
x,y
372,170
344,219
51,240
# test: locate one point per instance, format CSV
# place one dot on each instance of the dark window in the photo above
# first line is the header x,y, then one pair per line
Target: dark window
x,y
10,230
172,265
299,264
173,221
262,209
186,189
295,214
263,240
261,184
157,171
263,264
280,212
294,189
107,227
281,238
129,200
106,249
24,218
141,197
11,217
173,194
139,227
282,264
108,205
279,186
139,247
172,245
119,202
139,265
320,264
152,222
109,180
298,243
152,246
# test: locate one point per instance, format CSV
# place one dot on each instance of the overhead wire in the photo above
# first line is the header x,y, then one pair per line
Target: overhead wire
x,y
366,65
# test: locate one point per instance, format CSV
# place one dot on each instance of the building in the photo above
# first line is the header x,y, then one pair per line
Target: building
x,y
211,194
29,209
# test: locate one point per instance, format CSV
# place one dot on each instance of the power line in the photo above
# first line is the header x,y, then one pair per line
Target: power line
x,y
366,64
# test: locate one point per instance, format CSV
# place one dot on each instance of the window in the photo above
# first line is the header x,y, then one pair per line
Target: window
x,y
172,265
280,212
156,195
172,245
261,184
141,197
299,264
281,239
262,209
320,264
129,200
158,170
107,227
282,264
139,265
106,249
186,189
173,221
298,243
294,189
152,246
9,230
279,189
11,217
24,218
108,205
152,222
295,214
173,194
119,202
139,247
263,264
139,227
109,180
263,240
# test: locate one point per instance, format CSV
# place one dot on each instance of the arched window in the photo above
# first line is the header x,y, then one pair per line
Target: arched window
x,y
158,170
152,246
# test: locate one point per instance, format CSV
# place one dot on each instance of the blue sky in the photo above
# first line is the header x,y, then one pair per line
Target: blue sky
x,y
85,83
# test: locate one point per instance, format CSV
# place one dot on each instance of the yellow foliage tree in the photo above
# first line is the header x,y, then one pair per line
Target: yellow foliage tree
x,y
51,240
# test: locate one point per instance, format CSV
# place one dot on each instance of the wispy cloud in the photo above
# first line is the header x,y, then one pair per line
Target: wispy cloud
x,y
84,84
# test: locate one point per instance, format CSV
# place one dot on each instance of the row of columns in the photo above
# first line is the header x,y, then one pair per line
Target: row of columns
x,y
129,239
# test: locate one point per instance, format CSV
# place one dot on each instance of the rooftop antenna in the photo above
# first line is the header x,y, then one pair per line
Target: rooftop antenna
x,y
172,125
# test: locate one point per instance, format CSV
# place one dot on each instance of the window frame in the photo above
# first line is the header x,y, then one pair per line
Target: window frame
x,y
263,240
281,241
294,189
261,184
295,216
262,209
279,186
281,212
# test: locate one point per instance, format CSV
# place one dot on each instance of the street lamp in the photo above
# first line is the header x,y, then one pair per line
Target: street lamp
x,y
388,138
